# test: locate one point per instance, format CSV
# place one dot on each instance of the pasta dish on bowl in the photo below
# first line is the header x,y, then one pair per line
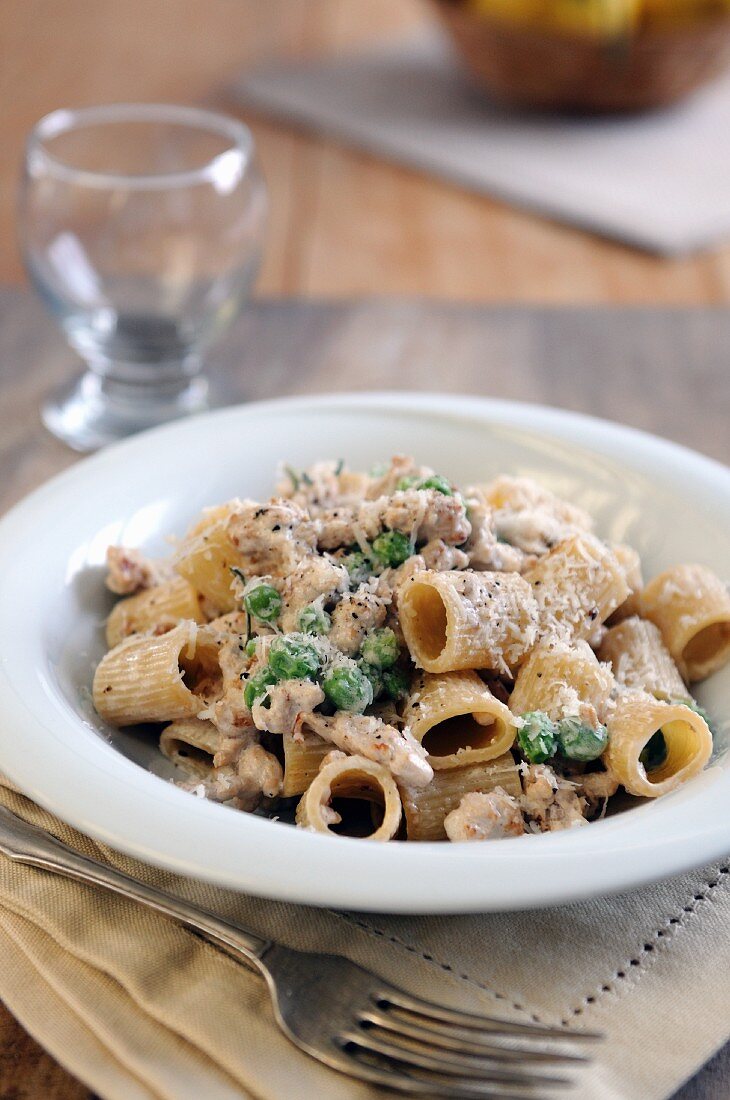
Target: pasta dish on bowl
x,y
389,656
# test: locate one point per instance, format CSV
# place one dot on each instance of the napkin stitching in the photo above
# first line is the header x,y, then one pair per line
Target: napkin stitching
x,y
383,933
666,933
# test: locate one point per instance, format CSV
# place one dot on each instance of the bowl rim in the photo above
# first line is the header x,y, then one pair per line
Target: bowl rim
x,y
297,866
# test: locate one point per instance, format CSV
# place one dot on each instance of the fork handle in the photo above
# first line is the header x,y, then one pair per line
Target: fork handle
x,y
28,844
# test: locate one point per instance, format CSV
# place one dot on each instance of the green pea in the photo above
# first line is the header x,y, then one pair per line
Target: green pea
x,y
374,675
579,741
263,602
437,482
294,658
251,647
536,737
348,688
698,710
407,482
392,547
654,752
358,566
256,686
381,648
396,683
314,620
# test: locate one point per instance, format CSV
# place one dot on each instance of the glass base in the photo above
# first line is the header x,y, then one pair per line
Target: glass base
x,y
94,411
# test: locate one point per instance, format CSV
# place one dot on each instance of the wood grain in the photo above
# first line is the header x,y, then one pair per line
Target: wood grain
x,y
343,223
662,370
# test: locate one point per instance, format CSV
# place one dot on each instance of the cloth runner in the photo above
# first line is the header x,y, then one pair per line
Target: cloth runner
x,y
659,180
139,1008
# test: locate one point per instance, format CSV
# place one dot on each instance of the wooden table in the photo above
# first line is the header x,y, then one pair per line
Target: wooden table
x,y
343,223
661,370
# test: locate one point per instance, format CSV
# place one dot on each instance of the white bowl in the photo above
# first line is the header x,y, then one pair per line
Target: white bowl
x,y
671,504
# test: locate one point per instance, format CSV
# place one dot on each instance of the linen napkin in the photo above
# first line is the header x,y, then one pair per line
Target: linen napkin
x,y
139,1008
658,180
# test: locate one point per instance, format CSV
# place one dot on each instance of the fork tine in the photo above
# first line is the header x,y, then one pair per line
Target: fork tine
x,y
375,1067
490,1024
449,1065
464,1042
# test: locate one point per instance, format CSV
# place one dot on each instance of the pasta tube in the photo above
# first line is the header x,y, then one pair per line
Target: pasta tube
x,y
302,759
191,743
350,778
425,808
577,585
641,661
456,620
630,562
458,720
522,494
684,748
564,681
153,609
691,607
143,679
207,556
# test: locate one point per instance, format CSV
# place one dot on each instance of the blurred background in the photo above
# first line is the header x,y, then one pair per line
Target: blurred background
x,y
416,217
343,222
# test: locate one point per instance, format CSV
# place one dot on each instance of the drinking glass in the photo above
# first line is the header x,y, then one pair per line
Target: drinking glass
x,y
141,227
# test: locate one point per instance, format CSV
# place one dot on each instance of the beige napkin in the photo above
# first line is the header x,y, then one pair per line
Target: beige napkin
x,y
658,179
139,1008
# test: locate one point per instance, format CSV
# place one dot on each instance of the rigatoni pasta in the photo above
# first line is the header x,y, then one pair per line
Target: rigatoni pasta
x,y
347,779
381,655
426,808
563,680
654,746
576,586
303,757
691,607
191,744
457,720
640,660
206,558
630,562
154,609
461,620
143,678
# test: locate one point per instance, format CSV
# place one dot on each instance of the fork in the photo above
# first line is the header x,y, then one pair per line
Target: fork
x,y
340,1013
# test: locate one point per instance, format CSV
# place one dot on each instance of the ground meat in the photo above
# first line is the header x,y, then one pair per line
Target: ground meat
x,y
480,816
400,466
552,802
485,550
390,580
441,558
231,717
422,514
335,528
230,748
356,614
313,577
534,531
254,774
322,487
129,571
259,771
363,735
284,704
272,538
596,786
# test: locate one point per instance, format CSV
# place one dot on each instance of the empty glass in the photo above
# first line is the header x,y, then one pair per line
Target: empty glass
x,y
141,227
